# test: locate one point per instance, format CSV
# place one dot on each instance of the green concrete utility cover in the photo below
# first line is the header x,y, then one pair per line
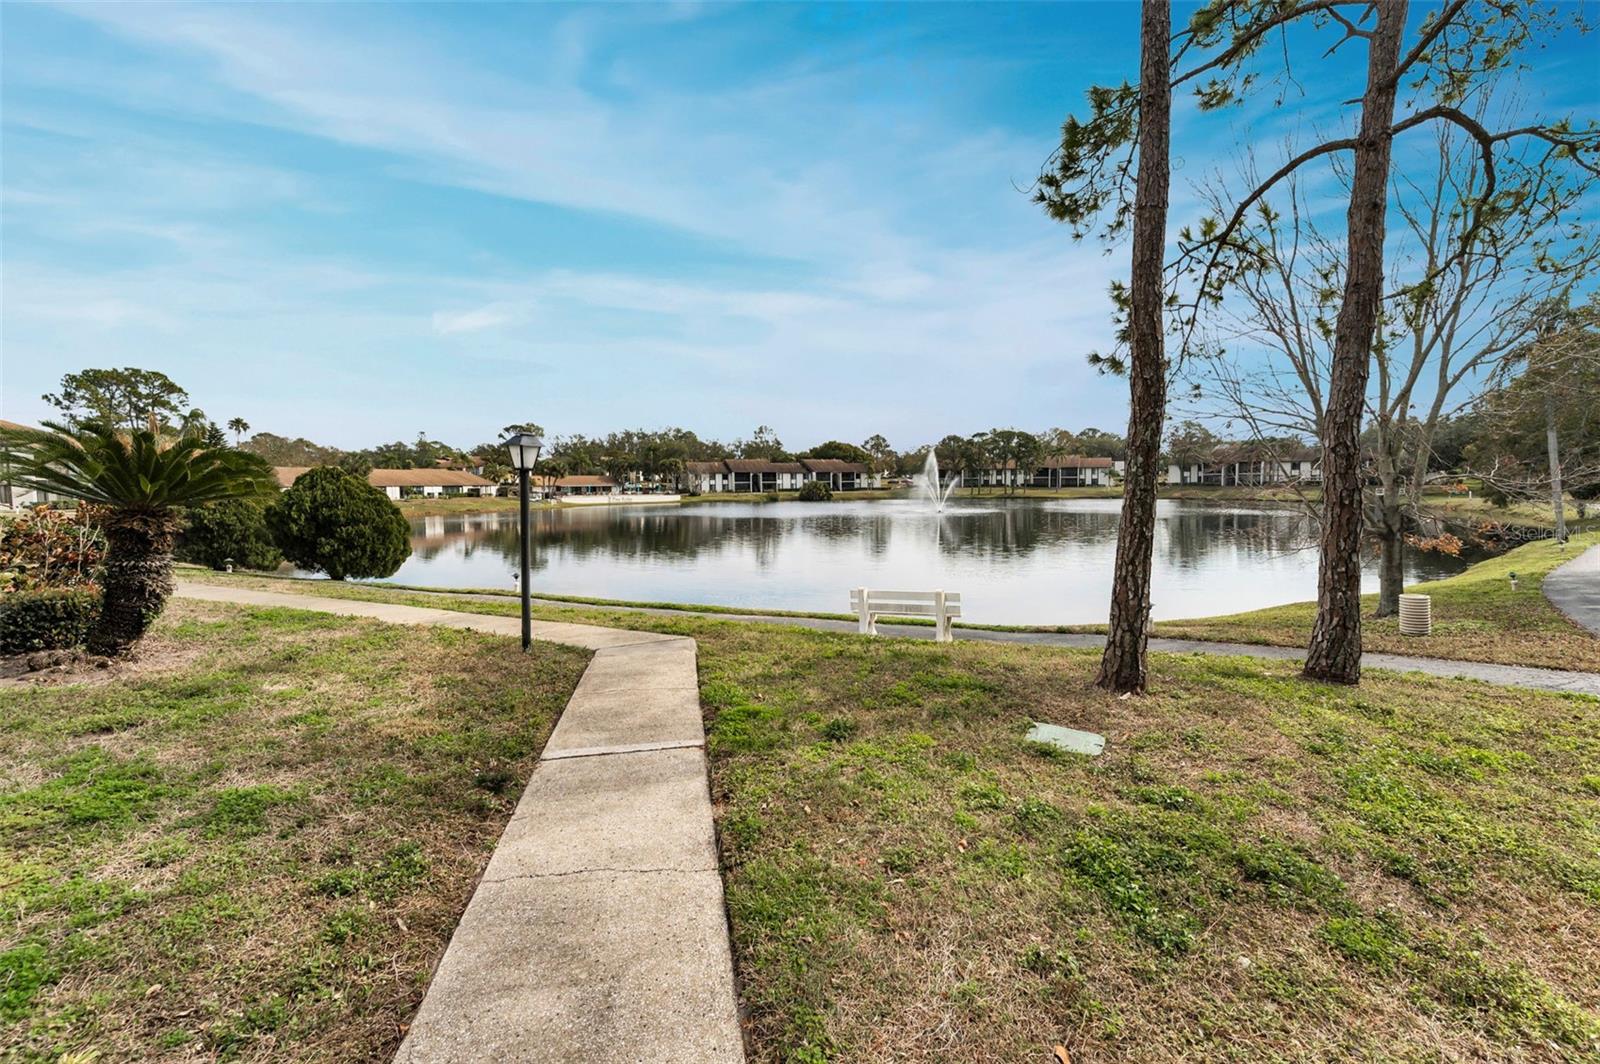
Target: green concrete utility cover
x,y
1079,742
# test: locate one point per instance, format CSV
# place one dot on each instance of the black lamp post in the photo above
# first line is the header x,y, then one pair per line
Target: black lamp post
x,y
524,448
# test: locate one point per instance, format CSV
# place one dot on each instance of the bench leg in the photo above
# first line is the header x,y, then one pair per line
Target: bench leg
x,y
863,618
941,622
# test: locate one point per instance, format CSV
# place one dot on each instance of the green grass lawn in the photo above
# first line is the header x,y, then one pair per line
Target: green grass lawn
x,y
1537,514
1476,617
255,841
465,504
1258,868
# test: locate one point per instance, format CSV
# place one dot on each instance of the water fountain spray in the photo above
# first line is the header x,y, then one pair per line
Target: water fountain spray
x,y
932,488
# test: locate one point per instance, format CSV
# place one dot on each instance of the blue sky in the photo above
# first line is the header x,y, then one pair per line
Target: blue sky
x,y
354,222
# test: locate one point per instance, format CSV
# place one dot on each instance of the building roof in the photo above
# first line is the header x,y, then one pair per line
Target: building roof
x,y
399,478
1251,451
582,480
288,474
426,478
761,465
1059,461
832,465
1074,461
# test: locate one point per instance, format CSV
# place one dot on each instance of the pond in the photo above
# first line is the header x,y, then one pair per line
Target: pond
x,y
1014,562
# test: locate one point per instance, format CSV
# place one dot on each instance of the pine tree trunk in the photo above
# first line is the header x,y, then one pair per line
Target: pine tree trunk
x,y
1122,667
1335,650
1392,562
1391,539
1553,450
137,578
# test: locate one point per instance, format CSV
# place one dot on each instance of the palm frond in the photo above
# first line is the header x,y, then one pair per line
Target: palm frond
x,y
122,468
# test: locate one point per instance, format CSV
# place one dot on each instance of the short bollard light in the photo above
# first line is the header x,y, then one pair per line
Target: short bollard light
x,y
1513,581
524,448
1416,615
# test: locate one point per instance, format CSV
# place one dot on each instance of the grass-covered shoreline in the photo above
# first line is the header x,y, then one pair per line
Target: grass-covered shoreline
x,y
254,841
1477,616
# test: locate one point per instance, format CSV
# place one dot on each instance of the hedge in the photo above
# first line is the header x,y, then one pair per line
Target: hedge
x,y
46,620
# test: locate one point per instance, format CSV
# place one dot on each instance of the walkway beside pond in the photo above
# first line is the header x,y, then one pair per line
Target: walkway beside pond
x,y
1574,589
598,930
1587,683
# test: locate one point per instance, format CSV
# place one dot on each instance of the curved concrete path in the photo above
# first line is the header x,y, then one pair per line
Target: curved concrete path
x,y
598,930
1574,589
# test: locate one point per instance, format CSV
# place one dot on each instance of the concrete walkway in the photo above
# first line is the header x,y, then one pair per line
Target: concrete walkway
x,y
1574,589
598,930
1504,675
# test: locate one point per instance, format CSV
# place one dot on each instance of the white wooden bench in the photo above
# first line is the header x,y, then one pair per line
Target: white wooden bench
x,y
942,606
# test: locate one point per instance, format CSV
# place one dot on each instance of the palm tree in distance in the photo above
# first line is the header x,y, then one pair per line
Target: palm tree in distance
x,y
238,426
139,482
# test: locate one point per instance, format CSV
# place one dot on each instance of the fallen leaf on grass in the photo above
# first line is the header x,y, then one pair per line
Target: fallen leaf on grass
x,y
1061,1055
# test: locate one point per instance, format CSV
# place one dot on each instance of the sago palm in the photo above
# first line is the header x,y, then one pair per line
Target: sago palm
x,y
141,480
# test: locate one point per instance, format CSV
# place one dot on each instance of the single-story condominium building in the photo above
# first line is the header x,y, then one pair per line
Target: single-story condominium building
x,y
1249,464
582,484
409,483
1059,471
755,475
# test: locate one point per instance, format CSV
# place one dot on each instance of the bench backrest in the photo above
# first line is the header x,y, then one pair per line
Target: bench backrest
x,y
907,603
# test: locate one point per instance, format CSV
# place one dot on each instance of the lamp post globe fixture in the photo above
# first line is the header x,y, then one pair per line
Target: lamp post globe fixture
x,y
524,448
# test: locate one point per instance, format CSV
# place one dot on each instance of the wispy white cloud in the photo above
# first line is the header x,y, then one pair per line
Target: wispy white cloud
x,y
783,166
906,284
493,315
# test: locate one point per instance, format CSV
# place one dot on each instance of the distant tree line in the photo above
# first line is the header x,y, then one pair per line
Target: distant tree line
x,y
1503,437
136,398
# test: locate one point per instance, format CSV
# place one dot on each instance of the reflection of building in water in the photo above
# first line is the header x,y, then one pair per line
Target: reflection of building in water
x,y
1021,529
1193,533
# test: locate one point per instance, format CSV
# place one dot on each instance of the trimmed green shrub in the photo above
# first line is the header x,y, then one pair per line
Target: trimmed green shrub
x,y
234,530
815,491
46,620
339,524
